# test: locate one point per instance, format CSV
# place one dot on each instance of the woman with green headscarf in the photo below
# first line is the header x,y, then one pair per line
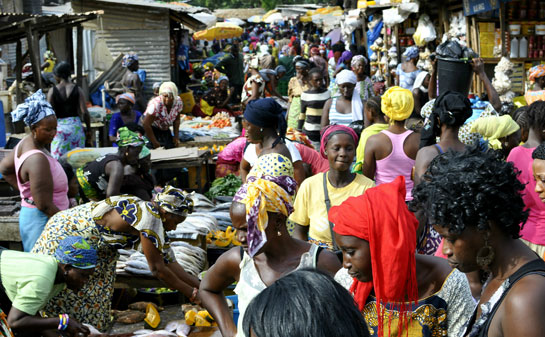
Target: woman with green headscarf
x,y
119,222
103,177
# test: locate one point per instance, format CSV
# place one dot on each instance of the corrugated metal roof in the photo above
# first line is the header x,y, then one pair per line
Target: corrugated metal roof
x,y
130,15
149,3
11,28
152,47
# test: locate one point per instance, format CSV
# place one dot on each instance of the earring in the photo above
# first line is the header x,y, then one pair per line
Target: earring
x,y
65,273
485,255
278,233
261,129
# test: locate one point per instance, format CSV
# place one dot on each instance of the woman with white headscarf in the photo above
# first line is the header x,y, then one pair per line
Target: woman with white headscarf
x,y
163,112
347,107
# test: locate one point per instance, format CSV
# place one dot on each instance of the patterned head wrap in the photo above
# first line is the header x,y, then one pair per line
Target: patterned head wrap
x,y
34,109
169,88
75,251
381,217
314,51
270,187
536,72
129,96
411,53
126,137
129,59
331,130
397,103
144,153
174,200
357,59
223,78
48,55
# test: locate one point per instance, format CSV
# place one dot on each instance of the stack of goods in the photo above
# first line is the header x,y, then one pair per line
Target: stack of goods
x,y
219,124
195,224
124,255
191,258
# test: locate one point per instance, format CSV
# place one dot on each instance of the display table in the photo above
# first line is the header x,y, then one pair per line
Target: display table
x,y
128,280
184,157
209,141
9,232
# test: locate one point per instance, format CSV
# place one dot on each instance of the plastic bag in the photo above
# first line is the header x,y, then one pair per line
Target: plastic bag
x,y
425,32
452,49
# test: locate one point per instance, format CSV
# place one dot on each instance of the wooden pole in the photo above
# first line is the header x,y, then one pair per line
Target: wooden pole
x,y
34,57
502,28
18,71
79,55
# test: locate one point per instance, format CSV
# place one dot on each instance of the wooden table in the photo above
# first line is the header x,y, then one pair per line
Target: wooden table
x,y
196,159
9,232
209,141
128,280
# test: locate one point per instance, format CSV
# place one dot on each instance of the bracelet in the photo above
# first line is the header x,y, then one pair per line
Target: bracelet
x,y
63,322
194,295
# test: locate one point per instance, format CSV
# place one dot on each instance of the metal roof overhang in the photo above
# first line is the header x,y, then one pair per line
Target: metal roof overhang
x,y
12,25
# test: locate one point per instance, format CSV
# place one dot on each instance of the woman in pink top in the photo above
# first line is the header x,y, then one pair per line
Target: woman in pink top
x,y
392,152
31,169
533,231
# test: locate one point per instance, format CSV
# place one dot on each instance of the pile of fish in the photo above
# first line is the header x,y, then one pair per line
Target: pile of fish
x,y
191,258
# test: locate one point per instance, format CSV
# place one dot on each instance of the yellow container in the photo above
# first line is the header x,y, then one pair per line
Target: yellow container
x,y
188,100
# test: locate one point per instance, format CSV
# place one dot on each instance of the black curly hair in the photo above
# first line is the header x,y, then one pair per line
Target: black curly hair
x,y
471,188
536,115
539,152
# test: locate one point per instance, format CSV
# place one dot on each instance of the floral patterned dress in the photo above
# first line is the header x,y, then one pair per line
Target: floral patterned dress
x,y
92,303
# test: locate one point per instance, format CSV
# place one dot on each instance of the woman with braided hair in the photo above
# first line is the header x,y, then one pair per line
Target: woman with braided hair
x,y
451,110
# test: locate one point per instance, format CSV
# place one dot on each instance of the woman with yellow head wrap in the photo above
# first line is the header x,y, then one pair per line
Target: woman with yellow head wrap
x,y
259,213
397,104
392,152
163,112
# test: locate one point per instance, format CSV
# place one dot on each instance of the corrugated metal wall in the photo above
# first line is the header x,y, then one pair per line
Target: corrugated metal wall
x,y
152,46
126,28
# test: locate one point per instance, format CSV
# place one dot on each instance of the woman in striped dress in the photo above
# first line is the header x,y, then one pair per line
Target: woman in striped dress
x,y
312,107
338,110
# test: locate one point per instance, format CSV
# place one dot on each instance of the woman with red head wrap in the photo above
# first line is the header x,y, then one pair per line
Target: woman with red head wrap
x,y
400,293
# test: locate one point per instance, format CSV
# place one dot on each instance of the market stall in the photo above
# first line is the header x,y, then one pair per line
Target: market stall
x,y
511,29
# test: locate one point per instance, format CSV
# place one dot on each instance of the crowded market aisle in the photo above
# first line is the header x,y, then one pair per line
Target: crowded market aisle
x,y
344,189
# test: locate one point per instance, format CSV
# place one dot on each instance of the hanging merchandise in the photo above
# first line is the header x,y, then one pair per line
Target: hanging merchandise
x,y
425,32
502,80
374,27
